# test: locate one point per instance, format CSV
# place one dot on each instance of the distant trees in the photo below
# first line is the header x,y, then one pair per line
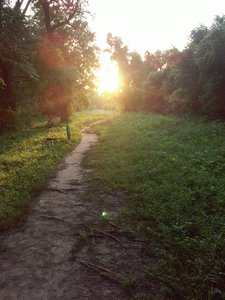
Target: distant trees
x,y
192,80
46,59
204,61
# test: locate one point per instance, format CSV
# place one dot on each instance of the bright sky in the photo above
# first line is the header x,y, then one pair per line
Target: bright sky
x,y
152,24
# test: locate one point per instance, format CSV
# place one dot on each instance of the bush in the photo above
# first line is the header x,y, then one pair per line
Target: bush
x,y
153,101
177,102
131,100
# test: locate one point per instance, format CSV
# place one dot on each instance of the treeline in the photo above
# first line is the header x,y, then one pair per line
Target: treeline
x,y
173,81
47,57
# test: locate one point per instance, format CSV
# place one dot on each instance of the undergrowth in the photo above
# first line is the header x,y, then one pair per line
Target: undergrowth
x,y
174,169
29,157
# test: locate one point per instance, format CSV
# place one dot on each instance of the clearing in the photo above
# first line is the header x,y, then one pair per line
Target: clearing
x,y
141,218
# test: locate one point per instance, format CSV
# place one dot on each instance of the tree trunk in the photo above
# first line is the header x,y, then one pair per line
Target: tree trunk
x,y
47,19
7,93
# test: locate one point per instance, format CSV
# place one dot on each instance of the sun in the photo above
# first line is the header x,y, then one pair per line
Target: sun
x,y
107,76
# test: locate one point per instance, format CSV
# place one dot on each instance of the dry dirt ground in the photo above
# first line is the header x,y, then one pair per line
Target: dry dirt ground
x,y
66,248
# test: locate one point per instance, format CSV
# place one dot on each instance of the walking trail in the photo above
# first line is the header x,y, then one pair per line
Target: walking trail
x,y
66,249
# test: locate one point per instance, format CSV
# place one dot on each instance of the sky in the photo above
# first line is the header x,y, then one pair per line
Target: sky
x,y
151,24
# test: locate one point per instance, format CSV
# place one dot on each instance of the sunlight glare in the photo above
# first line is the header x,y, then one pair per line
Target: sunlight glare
x,y
107,75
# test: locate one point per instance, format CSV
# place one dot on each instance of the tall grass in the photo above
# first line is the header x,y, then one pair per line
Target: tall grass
x,y
28,158
174,170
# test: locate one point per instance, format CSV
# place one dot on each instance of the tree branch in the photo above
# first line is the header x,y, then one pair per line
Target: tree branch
x,y
71,16
26,7
18,4
47,20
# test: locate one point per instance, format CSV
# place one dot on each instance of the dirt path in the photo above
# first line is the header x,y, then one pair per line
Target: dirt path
x,y
65,249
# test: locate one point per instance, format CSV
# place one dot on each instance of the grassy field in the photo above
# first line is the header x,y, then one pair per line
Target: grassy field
x,y
29,157
174,170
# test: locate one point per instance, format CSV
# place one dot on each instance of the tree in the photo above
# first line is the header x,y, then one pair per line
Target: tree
x,y
51,50
67,49
15,63
210,61
119,53
139,90
67,63
201,80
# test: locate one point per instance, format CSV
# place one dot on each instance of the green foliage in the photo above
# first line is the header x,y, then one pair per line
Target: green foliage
x,y
130,99
191,81
177,102
46,60
152,97
107,101
195,81
2,83
173,169
28,158
67,63
15,60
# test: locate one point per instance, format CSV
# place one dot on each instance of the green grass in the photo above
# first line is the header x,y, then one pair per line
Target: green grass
x,y
27,159
174,170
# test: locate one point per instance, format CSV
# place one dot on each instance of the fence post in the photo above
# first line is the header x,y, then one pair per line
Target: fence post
x,y
68,132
